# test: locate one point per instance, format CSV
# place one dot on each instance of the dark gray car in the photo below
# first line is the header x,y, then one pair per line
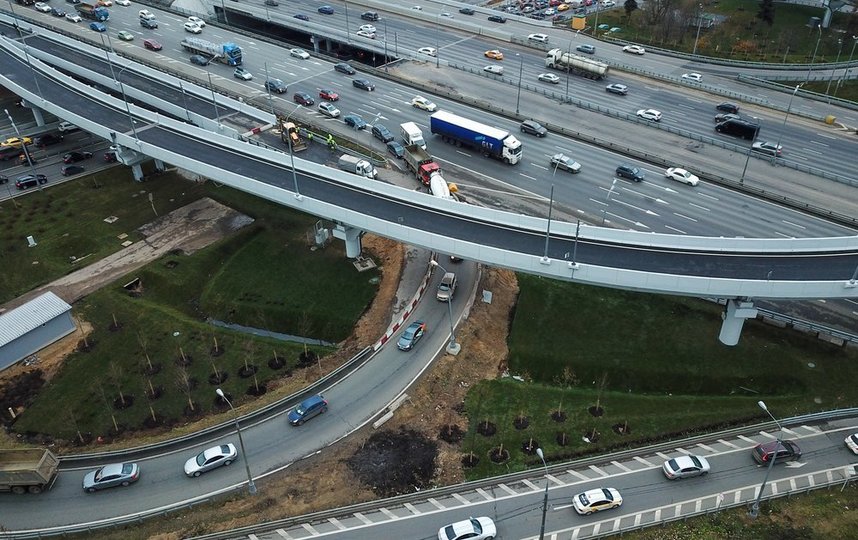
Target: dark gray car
x,y
628,171
381,133
534,128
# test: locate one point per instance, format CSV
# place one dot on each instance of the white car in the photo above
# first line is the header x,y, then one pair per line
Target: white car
x,y
43,7
197,21
596,500
481,528
681,175
539,38
649,114
123,2
770,148
299,53
497,70
146,14
609,3
328,109
212,458
428,51
368,28
692,77
634,49
73,17
192,28
549,78
852,443
368,35
422,103
447,14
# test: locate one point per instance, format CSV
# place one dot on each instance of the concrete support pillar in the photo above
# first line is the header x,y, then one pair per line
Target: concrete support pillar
x,y
351,236
38,116
735,313
137,171
159,165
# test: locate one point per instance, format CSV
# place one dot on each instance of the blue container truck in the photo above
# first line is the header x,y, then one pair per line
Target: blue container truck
x,y
225,53
490,141
92,12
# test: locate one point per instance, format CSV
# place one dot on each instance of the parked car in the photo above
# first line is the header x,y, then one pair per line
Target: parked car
x,y
152,45
326,10
70,170
649,114
125,35
728,107
768,148
686,466
199,60
596,500
534,128
243,74
307,409
549,78
211,458
411,335
354,120
495,70
481,528
634,49
98,27
66,127
74,157
328,109
115,474
275,85
681,175
343,67
396,149
565,163
422,103
30,180
381,133
303,98
299,53
630,172
616,88
123,3
763,453
363,84
692,77
587,49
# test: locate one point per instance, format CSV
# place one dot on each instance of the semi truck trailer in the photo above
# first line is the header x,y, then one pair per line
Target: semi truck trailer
x,y
489,141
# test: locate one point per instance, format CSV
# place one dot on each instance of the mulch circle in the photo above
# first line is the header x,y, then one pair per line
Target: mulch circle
x,y
486,428
256,391
521,422
215,352
115,327
622,429
184,360
529,446
187,412
87,439
221,403
158,392
85,346
153,370
217,378
276,363
499,455
558,416
307,359
119,403
470,460
451,433
596,411
592,436
247,371
149,423
562,438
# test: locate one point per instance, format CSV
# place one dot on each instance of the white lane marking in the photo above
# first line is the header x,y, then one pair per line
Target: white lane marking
x,y
674,229
508,489
436,503
714,198
684,217
362,518
620,466
461,499
793,224
598,471
388,513
728,444
485,495
411,508
309,528
336,523
531,485
784,234
555,480
699,207
526,176
638,208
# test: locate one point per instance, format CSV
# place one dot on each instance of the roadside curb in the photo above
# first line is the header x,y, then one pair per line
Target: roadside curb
x,y
415,299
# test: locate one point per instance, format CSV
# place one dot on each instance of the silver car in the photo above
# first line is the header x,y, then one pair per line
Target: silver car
x,y
115,474
212,458
685,467
565,163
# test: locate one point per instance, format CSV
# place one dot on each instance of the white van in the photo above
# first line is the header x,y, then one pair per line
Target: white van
x,y
411,134
447,287
539,38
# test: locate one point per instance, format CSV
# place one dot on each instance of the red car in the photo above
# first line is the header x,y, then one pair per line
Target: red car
x,y
328,95
152,45
554,3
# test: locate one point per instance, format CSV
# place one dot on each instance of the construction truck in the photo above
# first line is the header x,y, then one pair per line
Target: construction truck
x,y
290,134
25,470
575,63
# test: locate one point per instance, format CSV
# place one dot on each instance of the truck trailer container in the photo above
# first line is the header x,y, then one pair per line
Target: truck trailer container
x,y
225,53
490,141
575,63
25,470
92,12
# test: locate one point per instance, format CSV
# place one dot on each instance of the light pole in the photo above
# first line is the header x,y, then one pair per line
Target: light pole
x,y
127,107
699,24
291,153
837,61
453,347
520,71
569,56
23,147
348,28
251,486
783,127
548,226
107,52
437,40
545,497
854,42
750,149
385,45
214,99
755,508
26,50
813,58
268,87
607,200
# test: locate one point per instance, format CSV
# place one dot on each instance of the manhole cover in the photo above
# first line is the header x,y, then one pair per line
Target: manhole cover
x,y
811,365
817,400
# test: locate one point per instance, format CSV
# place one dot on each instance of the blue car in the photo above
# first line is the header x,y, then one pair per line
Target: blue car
x,y
326,10
97,26
411,336
307,409
355,121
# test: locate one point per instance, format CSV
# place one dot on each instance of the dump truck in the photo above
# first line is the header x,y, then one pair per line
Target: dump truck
x,y
93,12
575,63
290,132
420,163
225,53
25,470
356,165
490,141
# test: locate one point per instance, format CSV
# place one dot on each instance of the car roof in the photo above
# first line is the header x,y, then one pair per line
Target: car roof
x,y
312,400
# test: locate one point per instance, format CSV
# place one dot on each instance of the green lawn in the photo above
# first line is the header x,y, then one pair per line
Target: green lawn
x,y
654,365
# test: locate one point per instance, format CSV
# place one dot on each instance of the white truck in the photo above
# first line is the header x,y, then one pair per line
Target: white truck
x,y
356,165
575,63
411,134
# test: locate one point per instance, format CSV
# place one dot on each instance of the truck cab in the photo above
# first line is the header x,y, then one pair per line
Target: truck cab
x,y
412,134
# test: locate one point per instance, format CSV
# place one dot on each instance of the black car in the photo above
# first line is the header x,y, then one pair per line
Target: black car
x,y
466,11
272,3
363,84
57,12
74,157
47,139
628,171
534,128
303,98
369,16
355,121
199,60
3,179
396,149
30,180
726,106
275,85
342,67
381,133
302,17
69,170
497,18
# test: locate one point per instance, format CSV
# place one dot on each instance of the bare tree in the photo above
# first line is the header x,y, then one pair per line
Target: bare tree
x,y
115,374
108,405
141,340
185,385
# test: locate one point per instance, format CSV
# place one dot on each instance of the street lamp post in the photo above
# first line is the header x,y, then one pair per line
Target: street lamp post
x,y
437,40
837,61
755,508
545,497
816,48
569,55
251,486
23,147
348,28
783,127
453,347
291,153
520,71
750,149
268,87
854,42
699,24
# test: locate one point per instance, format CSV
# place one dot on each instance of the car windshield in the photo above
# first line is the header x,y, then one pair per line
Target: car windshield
x,y
409,333
477,527
201,458
607,494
